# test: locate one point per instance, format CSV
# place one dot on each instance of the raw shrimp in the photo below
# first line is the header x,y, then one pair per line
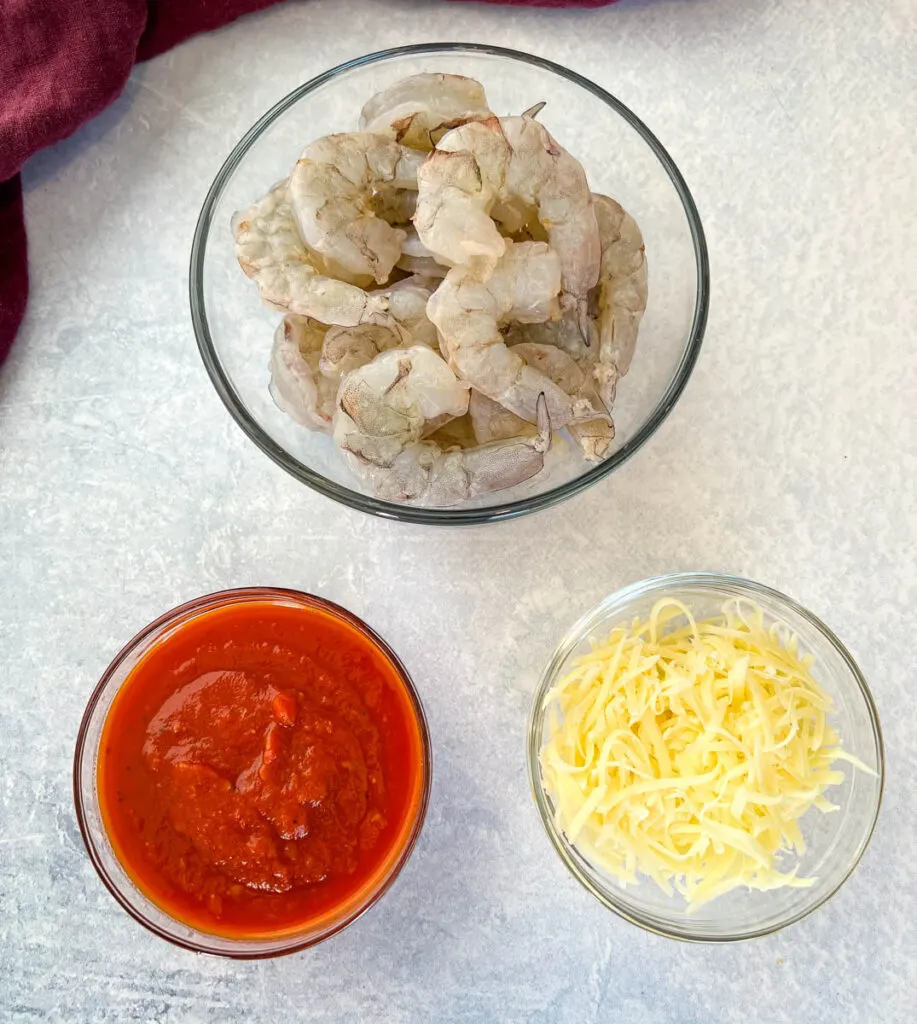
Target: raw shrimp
x,y
543,174
418,110
457,433
417,258
406,302
291,278
396,398
332,188
309,359
297,386
387,407
622,293
515,161
523,286
593,436
620,300
564,334
492,422
347,348
395,205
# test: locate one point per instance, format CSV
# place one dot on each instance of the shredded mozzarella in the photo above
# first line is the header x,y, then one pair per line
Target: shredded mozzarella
x,y
688,753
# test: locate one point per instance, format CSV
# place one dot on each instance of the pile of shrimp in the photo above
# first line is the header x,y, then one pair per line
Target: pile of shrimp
x,y
452,293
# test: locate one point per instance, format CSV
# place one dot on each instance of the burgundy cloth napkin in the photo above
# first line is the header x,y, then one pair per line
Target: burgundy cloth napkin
x,y
61,63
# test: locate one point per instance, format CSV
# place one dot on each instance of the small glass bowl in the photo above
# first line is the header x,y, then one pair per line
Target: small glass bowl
x,y
89,815
622,158
835,842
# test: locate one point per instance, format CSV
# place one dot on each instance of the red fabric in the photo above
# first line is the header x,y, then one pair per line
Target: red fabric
x,y
170,22
61,63
14,274
545,3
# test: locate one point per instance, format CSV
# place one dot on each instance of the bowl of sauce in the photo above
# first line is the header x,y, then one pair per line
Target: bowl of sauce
x,y
252,772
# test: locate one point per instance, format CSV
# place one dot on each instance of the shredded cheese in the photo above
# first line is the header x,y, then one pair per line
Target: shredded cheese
x,y
688,753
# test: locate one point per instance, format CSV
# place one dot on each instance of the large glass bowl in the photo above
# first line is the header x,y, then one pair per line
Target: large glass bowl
x,y
622,158
102,851
835,842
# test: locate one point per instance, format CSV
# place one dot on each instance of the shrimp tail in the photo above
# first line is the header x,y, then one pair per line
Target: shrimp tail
x,y
586,325
502,464
543,422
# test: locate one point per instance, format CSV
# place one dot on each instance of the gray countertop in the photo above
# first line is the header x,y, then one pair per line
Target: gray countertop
x,y
791,458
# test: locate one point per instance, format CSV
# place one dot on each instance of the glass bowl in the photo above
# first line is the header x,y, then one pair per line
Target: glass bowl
x,y
622,158
835,842
101,850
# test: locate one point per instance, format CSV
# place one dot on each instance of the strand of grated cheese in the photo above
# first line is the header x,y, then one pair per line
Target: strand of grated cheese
x,y
688,754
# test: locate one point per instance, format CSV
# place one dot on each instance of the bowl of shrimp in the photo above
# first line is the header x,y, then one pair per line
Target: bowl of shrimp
x,y
449,283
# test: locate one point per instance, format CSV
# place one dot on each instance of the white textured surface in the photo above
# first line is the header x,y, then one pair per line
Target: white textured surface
x,y
792,458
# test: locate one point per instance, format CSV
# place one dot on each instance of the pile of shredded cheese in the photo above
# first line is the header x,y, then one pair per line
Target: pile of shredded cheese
x,y
688,753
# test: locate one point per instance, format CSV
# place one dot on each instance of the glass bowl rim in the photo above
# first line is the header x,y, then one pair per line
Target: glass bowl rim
x,y
408,513
587,623
217,599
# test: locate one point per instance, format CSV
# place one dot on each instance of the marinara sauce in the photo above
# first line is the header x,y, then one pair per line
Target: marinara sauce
x,y
261,768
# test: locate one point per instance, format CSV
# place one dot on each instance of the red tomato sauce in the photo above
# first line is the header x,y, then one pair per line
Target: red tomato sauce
x,y
260,768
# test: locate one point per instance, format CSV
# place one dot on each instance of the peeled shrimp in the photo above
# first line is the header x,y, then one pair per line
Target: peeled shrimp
x,y
417,258
297,386
521,312
620,300
523,286
564,334
386,408
407,308
348,348
397,398
492,422
622,293
291,278
457,433
515,162
332,188
418,110
593,436
309,359
394,205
